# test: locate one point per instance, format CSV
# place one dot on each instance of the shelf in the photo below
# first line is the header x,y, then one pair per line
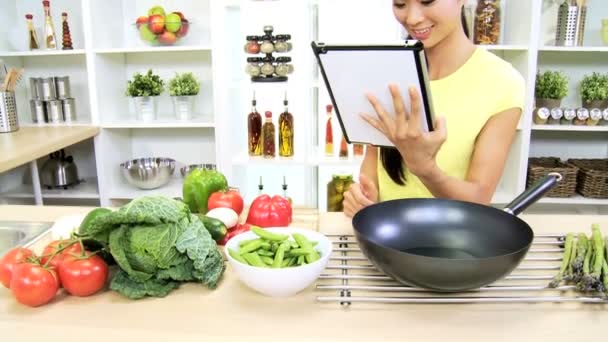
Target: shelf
x,y
570,128
574,48
86,190
246,160
155,49
160,124
61,124
41,53
173,189
574,200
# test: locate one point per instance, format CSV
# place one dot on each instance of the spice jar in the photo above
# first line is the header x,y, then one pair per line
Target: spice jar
x,y
569,115
267,46
252,46
281,44
282,68
253,66
582,114
541,115
335,191
267,68
556,115
595,115
487,22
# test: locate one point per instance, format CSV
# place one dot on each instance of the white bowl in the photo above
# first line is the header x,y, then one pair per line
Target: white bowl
x,y
280,282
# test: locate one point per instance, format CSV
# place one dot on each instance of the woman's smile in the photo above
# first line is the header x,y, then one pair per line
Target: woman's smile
x,y
422,33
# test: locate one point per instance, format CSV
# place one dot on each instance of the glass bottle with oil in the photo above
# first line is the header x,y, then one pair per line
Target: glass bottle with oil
x,y
254,130
286,131
358,150
49,28
343,148
268,140
329,132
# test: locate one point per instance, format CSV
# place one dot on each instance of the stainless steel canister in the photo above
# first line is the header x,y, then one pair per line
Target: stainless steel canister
x,y
35,87
62,85
69,109
54,111
38,111
46,89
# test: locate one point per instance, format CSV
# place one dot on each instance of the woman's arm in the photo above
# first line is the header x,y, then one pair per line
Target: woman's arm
x,y
489,157
369,166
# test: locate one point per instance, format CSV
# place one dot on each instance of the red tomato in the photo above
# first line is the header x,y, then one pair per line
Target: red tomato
x,y
70,247
34,285
9,260
83,276
226,199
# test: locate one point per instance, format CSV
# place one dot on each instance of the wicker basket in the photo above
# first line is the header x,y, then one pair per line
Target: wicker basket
x,y
592,178
540,167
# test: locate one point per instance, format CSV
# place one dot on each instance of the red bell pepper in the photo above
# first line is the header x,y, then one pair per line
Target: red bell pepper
x,y
266,211
240,228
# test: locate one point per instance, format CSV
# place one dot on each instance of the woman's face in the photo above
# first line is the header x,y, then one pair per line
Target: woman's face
x,y
428,20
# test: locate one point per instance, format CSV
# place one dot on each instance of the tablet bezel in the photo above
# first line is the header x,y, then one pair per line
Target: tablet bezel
x,y
417,49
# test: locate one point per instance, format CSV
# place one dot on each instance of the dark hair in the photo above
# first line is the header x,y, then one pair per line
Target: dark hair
x,y
391,158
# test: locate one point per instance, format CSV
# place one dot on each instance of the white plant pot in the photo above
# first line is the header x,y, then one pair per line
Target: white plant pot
x,y
145,107
183,106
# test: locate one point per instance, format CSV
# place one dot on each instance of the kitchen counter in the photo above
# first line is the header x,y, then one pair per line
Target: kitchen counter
x,y
233,312
30,143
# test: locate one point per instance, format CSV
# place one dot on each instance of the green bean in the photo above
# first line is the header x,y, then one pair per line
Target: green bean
x,y
244,242
267,260
236,256
278,258
287,261
250,247
301,260
264,234
265,245
312,257
263,252
301,251
254,260
302,241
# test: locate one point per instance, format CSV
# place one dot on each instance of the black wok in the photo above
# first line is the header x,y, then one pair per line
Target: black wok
x,y
447,245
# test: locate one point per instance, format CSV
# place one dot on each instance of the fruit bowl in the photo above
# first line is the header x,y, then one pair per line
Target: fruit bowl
x,y
160,28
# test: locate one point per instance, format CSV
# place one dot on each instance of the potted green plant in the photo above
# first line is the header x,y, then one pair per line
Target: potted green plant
x,y
145,89
183,89
550,88
594,91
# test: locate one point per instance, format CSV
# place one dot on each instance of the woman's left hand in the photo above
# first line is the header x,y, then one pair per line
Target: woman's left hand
x,y
418,148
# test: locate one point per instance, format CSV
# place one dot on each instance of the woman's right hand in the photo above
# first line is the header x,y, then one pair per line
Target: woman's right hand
x,y
359,196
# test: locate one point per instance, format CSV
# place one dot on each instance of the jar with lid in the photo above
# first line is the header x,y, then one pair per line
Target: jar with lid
x,y
487,22
541,115
595,115
267,45
556,116
582,114
282,68
267,68
335,191
252,46
569,115
281,44
253,66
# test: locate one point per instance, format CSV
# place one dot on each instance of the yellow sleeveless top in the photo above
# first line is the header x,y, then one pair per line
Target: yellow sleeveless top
x,y
483,86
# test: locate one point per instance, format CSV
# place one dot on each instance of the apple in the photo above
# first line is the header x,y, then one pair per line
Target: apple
x,y
141,21
156,23
146,34
184,29
156,10
173,22
167,38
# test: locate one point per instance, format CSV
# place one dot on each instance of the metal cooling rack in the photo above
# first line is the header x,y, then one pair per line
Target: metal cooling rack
x,y
354,279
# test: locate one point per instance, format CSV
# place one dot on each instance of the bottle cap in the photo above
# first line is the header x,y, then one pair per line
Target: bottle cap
x,y
329,108
268,114
64,14
46,3
29,16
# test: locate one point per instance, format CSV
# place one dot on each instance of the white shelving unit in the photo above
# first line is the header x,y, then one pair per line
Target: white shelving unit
x,y
108,51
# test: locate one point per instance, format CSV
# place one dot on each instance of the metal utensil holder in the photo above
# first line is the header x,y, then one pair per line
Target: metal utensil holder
x,y
570,25
9,122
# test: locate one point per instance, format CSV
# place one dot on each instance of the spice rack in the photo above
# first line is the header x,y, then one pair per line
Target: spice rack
x,y
268,68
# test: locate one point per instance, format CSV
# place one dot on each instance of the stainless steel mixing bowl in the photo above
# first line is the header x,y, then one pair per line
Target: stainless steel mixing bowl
x,y
185,170
148,173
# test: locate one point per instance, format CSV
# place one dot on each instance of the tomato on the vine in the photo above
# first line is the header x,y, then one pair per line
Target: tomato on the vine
x,y
83,275
67,247
9,260
34,285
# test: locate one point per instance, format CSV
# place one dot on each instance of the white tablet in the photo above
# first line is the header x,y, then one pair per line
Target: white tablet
x,y
351,71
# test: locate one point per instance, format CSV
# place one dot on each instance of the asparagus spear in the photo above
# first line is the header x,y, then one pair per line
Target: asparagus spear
x,y
605,276
598,260
569,275
585,281
577,264
565,261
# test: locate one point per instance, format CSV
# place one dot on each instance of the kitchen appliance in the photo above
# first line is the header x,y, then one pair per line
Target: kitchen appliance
x,y
447,245
59,171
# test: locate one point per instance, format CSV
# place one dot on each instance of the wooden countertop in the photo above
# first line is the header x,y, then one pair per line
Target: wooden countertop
x,y
30,143
232,312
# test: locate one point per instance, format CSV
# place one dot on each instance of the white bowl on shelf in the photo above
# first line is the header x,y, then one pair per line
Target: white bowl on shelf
x,y
280,282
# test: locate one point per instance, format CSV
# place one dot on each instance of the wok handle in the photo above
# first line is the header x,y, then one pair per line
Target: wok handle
x,y
533,194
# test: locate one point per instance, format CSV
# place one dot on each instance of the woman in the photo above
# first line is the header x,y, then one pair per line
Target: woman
x,y
479,95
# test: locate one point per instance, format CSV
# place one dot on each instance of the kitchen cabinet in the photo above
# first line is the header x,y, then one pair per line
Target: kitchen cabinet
x,y
107,51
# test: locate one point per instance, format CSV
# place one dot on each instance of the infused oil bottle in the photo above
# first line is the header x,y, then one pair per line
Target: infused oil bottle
x,y
286,131
269,147
254,130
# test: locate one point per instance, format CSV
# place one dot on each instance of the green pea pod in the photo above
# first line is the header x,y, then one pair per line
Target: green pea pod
x,y
267,260
301,251
236,256
278,258
288,261
301,260
250,247
264,234
292,261
265,245
242,243
302,241
263,252
274,246
312,257
254,260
